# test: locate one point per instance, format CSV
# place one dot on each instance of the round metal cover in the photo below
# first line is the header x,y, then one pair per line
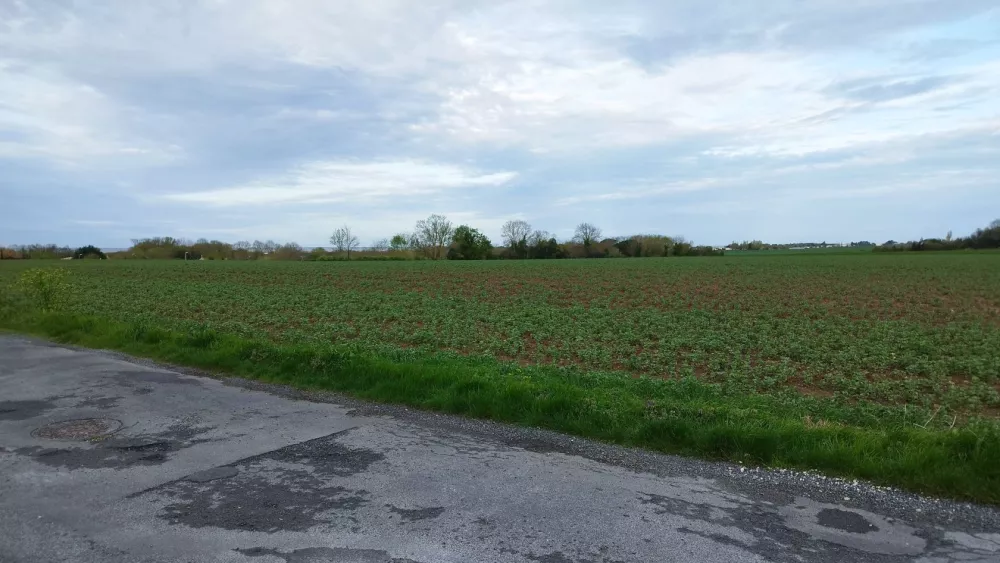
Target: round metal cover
x,y
79,429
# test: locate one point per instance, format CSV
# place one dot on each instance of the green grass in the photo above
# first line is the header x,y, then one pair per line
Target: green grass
x,y
877,367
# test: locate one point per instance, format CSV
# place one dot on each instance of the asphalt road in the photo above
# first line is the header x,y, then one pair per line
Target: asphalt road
x,y
188,468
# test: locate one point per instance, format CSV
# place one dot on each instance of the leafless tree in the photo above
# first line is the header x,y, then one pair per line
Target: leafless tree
x,y
538,237
343,240
381,245
587,234
241,248
289,251
434,234
515,232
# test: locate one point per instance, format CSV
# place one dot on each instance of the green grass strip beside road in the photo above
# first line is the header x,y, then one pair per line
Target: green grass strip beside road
x,y
684,417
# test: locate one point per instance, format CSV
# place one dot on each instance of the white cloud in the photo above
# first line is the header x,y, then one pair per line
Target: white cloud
x,y
818,165
765,102
537,74
381,36
315,228
908,185
53,117
613,101
617,101
349,182
646,189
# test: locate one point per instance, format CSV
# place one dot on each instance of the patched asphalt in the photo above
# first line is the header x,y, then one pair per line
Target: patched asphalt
x,y
105,458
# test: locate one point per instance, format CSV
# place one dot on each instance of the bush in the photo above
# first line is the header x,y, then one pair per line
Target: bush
x,y
547,249
469,244
45,288
981,239
89,251
9,254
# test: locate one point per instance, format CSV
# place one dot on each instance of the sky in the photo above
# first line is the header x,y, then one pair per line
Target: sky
x,y
780,120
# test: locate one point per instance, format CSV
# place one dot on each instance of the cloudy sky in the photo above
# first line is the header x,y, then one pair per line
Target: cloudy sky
x,y
782,120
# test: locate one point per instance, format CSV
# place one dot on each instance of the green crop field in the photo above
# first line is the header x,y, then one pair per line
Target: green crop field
x,y
885,367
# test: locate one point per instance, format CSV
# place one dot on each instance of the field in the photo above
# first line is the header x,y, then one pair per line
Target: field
x,y
885,367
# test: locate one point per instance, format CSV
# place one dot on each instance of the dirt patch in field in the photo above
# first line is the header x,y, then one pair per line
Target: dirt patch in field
x,y
809,389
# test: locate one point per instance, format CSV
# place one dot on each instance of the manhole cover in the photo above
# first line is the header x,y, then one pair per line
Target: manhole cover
x,y
80,429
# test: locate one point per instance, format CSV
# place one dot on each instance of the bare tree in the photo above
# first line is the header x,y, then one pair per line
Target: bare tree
x,y
515,232
538,237
587,234
289,251
343,240
536,244
995,224
435,234
414,241
381,245
240,247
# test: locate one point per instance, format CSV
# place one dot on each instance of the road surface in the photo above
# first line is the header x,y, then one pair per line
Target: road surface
x,y
105,459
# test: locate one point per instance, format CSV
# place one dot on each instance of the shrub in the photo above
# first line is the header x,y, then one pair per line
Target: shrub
x,y
469,244
46,288
89,251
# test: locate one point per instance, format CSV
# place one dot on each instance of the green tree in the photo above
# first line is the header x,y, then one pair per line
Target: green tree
x,y
469,244
399,242
89,251
545,246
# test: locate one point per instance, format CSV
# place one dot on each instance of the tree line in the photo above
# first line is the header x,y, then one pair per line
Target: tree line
x,y
49,252
433,238
437,238
984,238
761,245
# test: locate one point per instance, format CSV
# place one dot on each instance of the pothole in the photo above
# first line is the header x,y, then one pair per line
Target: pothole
x,y
78,429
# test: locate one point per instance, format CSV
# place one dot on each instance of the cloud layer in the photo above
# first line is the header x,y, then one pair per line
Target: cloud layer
x,y
347,182
775,120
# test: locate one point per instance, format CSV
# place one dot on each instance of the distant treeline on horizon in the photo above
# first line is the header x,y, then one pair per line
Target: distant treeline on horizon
x,y
436,238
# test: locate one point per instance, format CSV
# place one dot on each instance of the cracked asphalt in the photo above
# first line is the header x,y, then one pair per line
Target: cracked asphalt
x,y
105,458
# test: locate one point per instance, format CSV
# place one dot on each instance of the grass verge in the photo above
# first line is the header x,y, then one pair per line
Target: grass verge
x,y
684,417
